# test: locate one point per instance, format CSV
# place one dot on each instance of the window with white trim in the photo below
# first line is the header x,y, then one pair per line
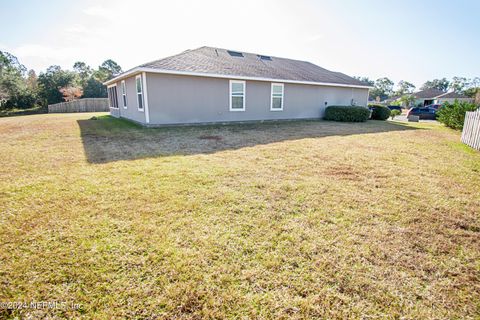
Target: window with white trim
x,y
276,103
139,88
237,95
124,94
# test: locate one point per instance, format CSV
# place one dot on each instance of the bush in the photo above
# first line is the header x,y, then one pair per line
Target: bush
x,y
395,113
453,114
347,113
17,112
380,112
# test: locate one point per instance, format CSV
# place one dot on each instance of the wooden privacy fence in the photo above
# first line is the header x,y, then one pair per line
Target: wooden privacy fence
x,y
471,129
81,105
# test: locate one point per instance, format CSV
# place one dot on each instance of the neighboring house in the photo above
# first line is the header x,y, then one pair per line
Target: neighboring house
x,y
431,96
217,85
452,96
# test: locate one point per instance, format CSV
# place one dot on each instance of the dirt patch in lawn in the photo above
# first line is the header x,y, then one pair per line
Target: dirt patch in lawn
x,y
209,137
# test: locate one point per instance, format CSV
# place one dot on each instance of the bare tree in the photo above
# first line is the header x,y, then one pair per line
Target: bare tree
x,y
71,93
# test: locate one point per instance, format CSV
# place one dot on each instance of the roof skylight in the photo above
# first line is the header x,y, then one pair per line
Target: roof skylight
x,y
265,58
235,53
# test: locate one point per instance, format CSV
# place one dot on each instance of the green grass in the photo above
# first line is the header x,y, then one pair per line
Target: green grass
x,y
306,219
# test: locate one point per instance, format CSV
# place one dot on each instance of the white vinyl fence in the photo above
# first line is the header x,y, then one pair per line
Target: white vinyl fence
x,y
471,129
80,105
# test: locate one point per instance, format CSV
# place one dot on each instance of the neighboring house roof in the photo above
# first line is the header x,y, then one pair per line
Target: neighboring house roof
x,y
428,94
208,61
453,95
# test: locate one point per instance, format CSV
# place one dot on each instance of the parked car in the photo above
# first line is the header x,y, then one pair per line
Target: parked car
x,y
423,112
395,108
435,106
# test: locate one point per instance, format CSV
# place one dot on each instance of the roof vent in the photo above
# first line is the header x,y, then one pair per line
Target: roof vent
x,y
235,53
265,58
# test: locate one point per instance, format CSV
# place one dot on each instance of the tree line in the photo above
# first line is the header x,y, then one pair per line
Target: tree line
x,y
21,88
383,88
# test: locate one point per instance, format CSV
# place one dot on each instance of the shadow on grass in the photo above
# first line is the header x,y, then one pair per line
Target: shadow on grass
x,y
108,139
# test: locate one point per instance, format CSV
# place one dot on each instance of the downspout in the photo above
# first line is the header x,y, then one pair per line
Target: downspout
x,y
368,95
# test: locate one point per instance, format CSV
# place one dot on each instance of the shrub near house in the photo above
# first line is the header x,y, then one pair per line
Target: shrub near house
x,y
379,112
347,113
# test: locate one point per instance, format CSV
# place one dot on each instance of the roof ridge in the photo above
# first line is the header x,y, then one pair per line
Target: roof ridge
x,y
257,54
430,89
445,93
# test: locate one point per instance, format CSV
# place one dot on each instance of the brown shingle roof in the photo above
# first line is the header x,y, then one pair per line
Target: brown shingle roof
x,y
428,93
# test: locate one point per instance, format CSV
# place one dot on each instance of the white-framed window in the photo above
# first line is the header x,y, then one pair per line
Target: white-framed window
x,y
112,96
276,102
139,88
237,95
124,94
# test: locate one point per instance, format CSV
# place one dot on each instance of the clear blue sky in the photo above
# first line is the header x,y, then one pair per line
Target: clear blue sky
x,y
403,40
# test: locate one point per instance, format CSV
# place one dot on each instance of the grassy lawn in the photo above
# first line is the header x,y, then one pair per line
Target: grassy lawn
x,y
278,220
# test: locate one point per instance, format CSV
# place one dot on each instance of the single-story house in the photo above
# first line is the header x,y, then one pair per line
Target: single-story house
x,y
434,96
217,85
